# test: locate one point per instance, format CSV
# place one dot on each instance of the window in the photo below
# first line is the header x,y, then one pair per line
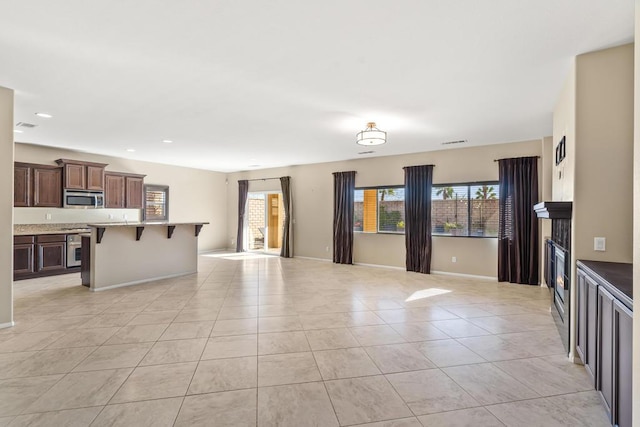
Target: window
x,y
468,210
379,210
156,203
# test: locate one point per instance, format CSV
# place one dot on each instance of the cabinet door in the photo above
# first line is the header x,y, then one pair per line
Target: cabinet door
x,y
622,364
47,187
52,256
114,191
592,328
134,192
95,178
21,186
23,259
605,348
581,330
75,177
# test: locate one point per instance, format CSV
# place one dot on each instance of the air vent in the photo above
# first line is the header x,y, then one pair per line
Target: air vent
x,y
25,125
366,152
461,141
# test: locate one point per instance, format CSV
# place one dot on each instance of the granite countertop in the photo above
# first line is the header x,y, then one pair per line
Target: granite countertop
x,y
31,229
617,277
142,224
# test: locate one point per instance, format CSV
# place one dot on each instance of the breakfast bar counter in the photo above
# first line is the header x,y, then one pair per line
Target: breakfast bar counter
x,y
124,254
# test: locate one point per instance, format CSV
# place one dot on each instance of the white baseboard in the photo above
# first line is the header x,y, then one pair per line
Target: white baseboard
x,y
138,282
211,251
470,276
7,325
390,267
313,258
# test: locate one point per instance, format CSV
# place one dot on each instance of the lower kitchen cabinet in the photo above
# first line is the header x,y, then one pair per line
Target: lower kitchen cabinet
x,y
23,255
604,333
40,255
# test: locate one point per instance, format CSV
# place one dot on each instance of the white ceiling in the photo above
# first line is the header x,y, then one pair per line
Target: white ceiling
x,y
238,83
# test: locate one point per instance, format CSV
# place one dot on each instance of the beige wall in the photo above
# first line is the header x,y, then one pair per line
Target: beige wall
x,y
564,124
194,194
312,187
6,204
546,191
636,224
595,113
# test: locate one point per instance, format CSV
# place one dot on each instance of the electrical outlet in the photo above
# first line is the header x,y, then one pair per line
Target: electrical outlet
x,y
599,244
326,248
233,241
454,259
47,216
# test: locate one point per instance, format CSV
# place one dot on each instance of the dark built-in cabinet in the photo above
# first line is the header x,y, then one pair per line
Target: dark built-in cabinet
x,y
604,333
124,191
40,255
82,175
37,185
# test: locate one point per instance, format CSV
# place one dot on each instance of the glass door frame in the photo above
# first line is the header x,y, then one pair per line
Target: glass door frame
x,y
246,226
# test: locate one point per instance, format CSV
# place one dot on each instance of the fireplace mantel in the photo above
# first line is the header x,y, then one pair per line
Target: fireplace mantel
x,y
553,210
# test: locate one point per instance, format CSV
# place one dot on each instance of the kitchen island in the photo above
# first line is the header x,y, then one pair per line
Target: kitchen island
x,y
124,254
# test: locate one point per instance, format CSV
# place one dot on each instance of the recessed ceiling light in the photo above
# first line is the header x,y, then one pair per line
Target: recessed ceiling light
x,y
131,150
44,115
254,166
17,131
167,141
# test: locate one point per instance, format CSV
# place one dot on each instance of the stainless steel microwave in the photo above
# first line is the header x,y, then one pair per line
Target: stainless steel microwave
x,y
83,199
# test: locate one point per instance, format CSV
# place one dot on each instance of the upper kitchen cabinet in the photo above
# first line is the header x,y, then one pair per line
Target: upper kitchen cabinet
x,y
134,185
22,185
47,186
124,190
83,175
37,185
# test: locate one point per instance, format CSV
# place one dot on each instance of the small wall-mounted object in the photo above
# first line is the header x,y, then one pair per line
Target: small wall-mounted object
x,y
561,151
599,244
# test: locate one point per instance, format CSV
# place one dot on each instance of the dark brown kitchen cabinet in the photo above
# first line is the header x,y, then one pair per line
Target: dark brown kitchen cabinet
x,y
124,190
605,346
80,175
586,338
47,186
114,191
134,192
22,185
605,333
51,252
622,364
23,255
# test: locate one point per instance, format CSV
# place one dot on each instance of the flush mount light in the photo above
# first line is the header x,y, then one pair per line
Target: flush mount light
x,y
17,131
131,150
371,135
167,141
44,115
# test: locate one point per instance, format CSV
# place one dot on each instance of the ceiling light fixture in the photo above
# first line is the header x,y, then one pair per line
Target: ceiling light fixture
x,y
17,131
371,135
167,141
44,115
131,150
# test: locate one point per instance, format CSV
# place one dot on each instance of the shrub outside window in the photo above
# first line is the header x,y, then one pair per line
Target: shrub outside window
x,y
467,210
379,210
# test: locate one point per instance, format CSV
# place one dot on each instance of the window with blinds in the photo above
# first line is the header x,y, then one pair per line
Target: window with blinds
x,y
156,203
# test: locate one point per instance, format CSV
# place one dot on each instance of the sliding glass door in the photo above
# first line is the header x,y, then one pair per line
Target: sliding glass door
x,y
263,222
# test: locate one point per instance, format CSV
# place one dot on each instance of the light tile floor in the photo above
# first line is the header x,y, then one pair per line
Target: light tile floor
x,y
259,340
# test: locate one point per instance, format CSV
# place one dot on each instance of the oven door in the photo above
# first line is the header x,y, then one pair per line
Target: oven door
x,y
74,251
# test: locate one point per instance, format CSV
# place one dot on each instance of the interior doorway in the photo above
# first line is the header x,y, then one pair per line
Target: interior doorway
x,y
264,220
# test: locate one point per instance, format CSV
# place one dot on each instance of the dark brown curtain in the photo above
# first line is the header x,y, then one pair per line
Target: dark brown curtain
x,y
417,217
518,224
243,189
344,185
286,249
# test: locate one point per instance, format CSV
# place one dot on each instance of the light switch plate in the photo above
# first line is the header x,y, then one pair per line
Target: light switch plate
x,y
599,244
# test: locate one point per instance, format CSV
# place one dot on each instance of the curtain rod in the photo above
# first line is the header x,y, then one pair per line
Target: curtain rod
x,y
262,179
497,160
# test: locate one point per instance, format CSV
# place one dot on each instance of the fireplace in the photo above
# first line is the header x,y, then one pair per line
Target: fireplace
x,y
558,263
